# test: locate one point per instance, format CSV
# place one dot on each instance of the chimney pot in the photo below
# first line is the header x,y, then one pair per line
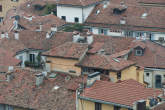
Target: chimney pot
x,y
16,35
54,28
2,35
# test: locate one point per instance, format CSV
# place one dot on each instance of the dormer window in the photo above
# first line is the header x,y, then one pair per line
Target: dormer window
x,y
138,52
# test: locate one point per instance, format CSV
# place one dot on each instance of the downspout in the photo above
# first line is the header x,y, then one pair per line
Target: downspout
x,y
77,101
82,14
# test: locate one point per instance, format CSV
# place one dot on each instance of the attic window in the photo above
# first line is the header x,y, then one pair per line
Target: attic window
x,y
138,52
144,15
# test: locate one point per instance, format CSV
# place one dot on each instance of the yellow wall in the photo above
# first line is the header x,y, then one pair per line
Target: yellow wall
x,y
64,65
141,76
88,105
128,73
7,5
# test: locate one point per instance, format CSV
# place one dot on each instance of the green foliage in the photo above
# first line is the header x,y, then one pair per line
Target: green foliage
x,y
38,7
50,8
74,27
46,9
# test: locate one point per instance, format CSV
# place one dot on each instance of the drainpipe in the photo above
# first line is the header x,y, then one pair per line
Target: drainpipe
x,y
77,101
82,14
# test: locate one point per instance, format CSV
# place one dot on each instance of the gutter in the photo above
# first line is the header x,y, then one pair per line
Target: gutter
x,y
104,102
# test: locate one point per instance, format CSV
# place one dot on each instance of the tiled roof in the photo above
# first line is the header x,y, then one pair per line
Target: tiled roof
x,y
134,21
153,1
46,22
120,54
125,93
22,92
68,50
159,107
105,62
34,40
154,56
7,59
109,44
78,2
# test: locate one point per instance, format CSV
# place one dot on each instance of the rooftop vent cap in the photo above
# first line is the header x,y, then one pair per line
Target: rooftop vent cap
x,y
144,15
97,12
55,88
116,60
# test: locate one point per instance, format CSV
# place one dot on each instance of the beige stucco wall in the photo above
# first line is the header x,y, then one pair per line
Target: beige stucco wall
x,y
8,4
88,105
64,65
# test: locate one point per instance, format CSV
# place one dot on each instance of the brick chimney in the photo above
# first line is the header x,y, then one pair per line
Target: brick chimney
x,y
16,35
39,79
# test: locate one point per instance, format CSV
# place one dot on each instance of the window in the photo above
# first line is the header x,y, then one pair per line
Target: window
x,y
63,18
158,81
147,74
139,52
119,75
32,58
1,19
0,8
103,31
97,106
76,19
116,108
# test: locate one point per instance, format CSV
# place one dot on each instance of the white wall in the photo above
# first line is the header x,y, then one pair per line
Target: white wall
x,y
151,78
156,36
72,12
95,30
25,56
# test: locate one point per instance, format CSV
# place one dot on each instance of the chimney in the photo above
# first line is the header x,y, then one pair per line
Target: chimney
x,y
139,105
16,35
39,79
54,28
9,76
89,38
6,35
123,20
10,69
15,23
2,35
76,36
40,27
48,35
92,78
